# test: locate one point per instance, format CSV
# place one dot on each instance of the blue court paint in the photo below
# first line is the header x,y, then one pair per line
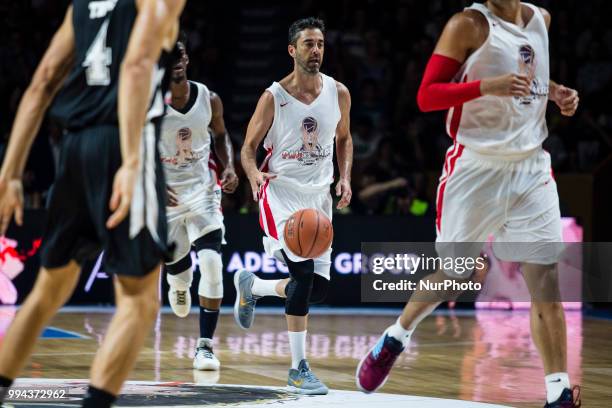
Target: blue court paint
x,y
55,333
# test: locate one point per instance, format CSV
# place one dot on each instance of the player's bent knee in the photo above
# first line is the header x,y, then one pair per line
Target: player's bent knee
x,y
138,296
180,266
320,287
211,274
179,274
298,297
299,288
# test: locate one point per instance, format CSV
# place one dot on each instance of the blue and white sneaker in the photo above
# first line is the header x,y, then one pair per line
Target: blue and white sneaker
x,y
244,306
303,381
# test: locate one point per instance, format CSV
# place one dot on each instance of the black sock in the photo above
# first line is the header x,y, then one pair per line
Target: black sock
x,y
208,322
97,398
5,384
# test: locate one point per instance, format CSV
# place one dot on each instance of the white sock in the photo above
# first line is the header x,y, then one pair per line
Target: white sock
x,y
180,281
297,343
398,332
555,384
265,287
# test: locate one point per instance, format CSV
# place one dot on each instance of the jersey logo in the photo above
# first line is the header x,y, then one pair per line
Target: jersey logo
x,y
527,66
310,132
184,156
311,152
99,9
284,104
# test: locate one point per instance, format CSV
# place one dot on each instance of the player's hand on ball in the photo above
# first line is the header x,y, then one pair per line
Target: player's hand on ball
x,y
257,181
343,190
229,180
121,199
506,85
172,197
566,99
11,202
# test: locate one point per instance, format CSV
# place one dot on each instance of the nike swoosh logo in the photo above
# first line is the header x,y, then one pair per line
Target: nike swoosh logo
x,y
557,380
298,383
284,104
243,302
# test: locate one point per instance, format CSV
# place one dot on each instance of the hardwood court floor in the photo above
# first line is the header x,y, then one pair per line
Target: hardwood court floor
x,y
485,356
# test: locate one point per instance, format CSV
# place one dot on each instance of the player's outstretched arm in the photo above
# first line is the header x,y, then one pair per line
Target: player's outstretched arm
x,y
223,145
156,26
48,79
260,123
344,147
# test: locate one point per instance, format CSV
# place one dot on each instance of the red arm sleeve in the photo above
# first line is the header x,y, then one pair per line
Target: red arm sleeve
x,y
437,92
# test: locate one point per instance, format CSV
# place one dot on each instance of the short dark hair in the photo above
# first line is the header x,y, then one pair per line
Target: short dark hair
x,y
303,24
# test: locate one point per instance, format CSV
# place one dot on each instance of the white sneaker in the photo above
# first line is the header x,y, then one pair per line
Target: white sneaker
x,y
204,358
201,377
180,301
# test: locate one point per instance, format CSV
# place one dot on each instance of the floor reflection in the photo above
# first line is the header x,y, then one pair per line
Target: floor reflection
x,y
490,352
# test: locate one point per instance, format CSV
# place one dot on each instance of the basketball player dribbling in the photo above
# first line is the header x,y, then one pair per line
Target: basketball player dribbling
x,y
491,69
300,117
194,205
109,192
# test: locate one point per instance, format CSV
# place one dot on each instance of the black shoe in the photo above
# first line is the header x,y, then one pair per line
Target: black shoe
x,y
567,399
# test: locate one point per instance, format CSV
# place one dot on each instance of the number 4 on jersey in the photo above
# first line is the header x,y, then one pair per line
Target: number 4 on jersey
x,y
98,58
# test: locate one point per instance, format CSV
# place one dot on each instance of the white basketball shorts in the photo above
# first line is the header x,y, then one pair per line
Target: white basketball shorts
x,y
197,214
276,204
515,201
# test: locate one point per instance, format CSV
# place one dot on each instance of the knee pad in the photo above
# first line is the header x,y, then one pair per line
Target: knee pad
x,y
180,273
320,286
211,274
299,288
211,241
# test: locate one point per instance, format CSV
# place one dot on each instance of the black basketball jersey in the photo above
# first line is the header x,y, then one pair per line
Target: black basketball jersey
x,y
89,96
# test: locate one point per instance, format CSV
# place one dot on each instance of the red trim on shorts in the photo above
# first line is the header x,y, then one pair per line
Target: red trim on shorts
x,y
264,165
451,160
269,218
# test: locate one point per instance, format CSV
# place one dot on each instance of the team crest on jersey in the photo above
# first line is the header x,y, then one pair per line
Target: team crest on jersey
x,y
185,155
311,151
527,67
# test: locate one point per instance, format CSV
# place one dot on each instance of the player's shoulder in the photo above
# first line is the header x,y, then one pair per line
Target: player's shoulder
x,y
469,27
215,100
546,15
343,91
467,20
266,100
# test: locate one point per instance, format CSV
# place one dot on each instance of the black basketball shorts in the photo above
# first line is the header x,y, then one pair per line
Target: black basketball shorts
x,y
78,205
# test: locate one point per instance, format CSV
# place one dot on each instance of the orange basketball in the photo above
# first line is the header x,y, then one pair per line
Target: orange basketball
x,y
308,233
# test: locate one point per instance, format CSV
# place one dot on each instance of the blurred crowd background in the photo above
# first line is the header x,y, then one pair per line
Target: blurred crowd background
x,y
378,48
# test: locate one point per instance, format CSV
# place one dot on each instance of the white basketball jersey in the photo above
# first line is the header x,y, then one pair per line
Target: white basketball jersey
x,y
505,126
300,142
185,143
